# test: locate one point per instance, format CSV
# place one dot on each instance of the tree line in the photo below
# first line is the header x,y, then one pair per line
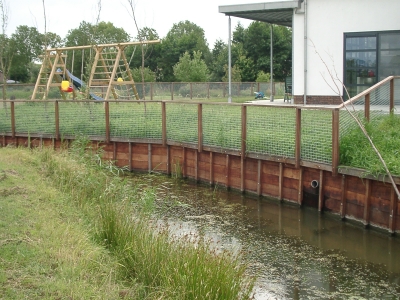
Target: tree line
x,y
183,55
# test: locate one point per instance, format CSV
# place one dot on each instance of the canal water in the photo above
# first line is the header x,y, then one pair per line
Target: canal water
x,y
295,253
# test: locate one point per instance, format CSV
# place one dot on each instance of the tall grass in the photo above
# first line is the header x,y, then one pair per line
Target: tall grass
x,y
356,151
167,267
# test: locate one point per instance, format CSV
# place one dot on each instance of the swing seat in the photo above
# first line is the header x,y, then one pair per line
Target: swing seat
x,y
66,86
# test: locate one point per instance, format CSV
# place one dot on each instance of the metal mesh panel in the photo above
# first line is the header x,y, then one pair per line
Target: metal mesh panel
x,y
222,126
161,91
86,118
18,91
397,95
35,117
316,135
141,120
5,117
380,101
182,122
271,130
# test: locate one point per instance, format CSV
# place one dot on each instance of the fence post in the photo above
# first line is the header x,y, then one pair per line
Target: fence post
x,y
12,119
57,119
164,123
151,91
208,90
335,141
107,120
191,90
172,91
200,127
244,131
297,150
367,106
391,95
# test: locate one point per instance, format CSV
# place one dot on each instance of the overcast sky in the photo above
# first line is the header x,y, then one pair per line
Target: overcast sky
x,y
158,14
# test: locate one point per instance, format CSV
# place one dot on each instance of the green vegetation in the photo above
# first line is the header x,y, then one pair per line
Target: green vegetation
x,y
72,227
356,151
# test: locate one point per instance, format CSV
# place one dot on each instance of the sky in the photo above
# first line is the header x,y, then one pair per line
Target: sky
x,y
160,15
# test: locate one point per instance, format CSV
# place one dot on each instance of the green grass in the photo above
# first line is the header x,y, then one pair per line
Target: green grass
x,y
356,151
73,227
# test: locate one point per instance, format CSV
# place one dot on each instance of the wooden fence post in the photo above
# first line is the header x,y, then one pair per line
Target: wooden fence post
x,y
12,119
391,95
164,123
243,148
367,106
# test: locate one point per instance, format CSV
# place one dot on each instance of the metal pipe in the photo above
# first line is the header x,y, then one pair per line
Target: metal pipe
x,y
229,64
305,52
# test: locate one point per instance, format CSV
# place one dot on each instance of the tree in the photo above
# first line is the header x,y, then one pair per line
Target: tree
x,y
263,77
6,48
183,37
191,69
219,59
148,75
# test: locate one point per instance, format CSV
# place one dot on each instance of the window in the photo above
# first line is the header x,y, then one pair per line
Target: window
x,y
368,58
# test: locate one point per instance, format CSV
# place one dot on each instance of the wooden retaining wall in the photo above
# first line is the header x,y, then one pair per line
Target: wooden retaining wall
x,y
370,201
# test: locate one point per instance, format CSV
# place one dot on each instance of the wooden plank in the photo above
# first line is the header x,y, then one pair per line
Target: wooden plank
x,y
227,170
259,180
367,202
343,197
297,152
280,181
321,191
300,189
200,127
211,169
393,211
114,150
130,156
149,161
196,158
168,160
335,141
242,174
391,100
184,173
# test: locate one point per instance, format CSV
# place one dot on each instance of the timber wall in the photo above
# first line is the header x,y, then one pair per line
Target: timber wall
x,y
370,201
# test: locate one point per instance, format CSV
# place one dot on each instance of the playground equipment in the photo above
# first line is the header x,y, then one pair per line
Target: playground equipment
x,y
109,68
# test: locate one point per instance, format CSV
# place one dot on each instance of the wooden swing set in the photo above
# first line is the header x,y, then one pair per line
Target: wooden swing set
x,y
110,68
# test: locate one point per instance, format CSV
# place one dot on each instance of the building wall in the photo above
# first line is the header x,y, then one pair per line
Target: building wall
x,y
327,21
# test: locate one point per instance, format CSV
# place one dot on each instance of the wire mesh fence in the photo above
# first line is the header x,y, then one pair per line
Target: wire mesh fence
x,y
182,122
140,120
81,118
316,135
222,126
271,130
35,117
5,117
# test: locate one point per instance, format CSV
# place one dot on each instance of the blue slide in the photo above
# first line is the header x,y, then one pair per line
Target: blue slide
x,y
78,83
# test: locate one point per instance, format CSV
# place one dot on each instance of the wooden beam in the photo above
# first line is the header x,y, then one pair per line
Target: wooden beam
x,y
280,182
227,171
300,188
211,169
130,156
104,45
367,202
184,162
168,160
393,211
335,142
242,174
321,191
297,151
391,101
259,179
343,203
149,157
196,158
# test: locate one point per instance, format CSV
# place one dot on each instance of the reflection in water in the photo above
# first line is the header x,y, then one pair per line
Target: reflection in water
x,y
296,253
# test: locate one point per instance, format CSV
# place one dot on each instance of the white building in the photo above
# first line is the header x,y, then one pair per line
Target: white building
x,y
335,42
